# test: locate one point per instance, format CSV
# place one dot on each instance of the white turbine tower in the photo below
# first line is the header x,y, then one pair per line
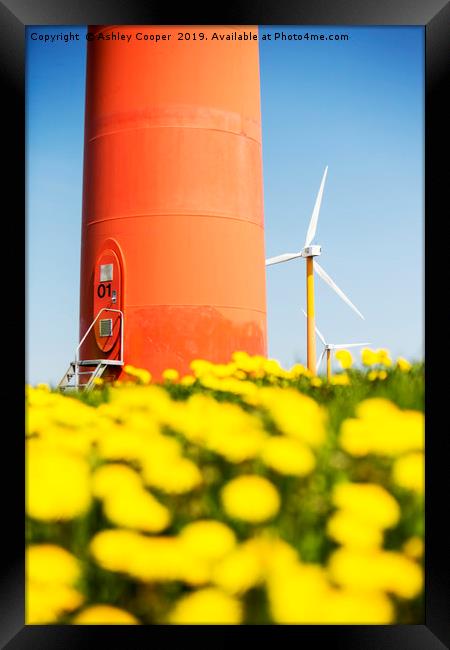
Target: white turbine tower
x,y
310,251
329,347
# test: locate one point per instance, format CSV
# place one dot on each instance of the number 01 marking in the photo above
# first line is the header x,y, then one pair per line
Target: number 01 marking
x,y
102,289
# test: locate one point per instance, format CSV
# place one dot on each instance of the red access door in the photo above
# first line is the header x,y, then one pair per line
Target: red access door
x,y
108,296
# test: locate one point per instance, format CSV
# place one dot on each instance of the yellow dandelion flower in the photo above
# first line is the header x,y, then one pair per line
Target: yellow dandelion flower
x,y
51,564
349,530
367,502
192,418
58,483
297,595
345,358
238,571
297,370
382,428
42,398
273,554
288,456
316,382
71,413
163,559
37,420
383,357
403,364
295,414
353,439
369,357
240,358
414,547
236,435
113,549
223,370
409,472
143,376
170,375
376,570
358,607
132,439
46,602
200,367
229,385
175,475
221,427
250,498
187,380
114,478
255,366
76,441
340,380
43,386
208,606
104,615
376,408
209,539
194,570
272,367
147,401
373,375
137,509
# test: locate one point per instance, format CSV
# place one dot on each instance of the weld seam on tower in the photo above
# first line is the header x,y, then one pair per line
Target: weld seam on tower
x,y
177,214
259,311
175,126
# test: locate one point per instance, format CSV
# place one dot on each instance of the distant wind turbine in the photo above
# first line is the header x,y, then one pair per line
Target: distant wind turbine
x,y
329,347
309,252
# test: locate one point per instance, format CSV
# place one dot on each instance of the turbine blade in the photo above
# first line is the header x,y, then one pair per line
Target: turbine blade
x,y
348,345
321,359
315,213
282,258
321,336
326,278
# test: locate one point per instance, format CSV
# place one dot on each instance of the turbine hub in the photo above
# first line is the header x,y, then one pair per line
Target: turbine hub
x,y
311,251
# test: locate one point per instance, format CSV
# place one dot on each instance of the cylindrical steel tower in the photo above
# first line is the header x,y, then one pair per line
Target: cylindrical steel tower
x,y
172,231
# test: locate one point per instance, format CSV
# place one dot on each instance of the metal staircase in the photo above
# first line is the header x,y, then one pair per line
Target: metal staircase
x,y
81,374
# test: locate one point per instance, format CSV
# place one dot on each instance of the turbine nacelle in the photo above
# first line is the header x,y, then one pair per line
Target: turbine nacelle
x,y
312,251
330,347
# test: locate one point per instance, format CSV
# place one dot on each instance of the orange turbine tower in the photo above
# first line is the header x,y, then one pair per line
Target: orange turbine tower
x,y
173,231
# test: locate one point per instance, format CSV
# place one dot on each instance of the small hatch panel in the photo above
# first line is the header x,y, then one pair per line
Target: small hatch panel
x,y
105,327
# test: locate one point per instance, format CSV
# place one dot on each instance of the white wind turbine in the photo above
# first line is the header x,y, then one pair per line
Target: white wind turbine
x,y
329,347
309,252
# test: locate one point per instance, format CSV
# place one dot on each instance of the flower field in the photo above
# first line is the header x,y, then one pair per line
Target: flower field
x,y
241,493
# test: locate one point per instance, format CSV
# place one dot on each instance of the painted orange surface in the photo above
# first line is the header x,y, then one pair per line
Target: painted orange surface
x,y
173,190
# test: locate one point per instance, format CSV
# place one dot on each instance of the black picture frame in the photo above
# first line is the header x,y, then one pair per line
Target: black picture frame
x,y
15,15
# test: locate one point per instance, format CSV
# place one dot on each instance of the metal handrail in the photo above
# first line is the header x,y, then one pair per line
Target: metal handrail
x,y
77,351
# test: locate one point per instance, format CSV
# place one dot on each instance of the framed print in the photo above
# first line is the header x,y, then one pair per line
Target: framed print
x,y
193,526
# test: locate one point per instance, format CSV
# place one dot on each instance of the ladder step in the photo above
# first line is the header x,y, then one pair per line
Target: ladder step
x,y
96,366
97,362
98,372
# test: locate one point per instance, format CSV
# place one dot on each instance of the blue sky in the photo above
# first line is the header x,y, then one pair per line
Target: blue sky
x,y
356,106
